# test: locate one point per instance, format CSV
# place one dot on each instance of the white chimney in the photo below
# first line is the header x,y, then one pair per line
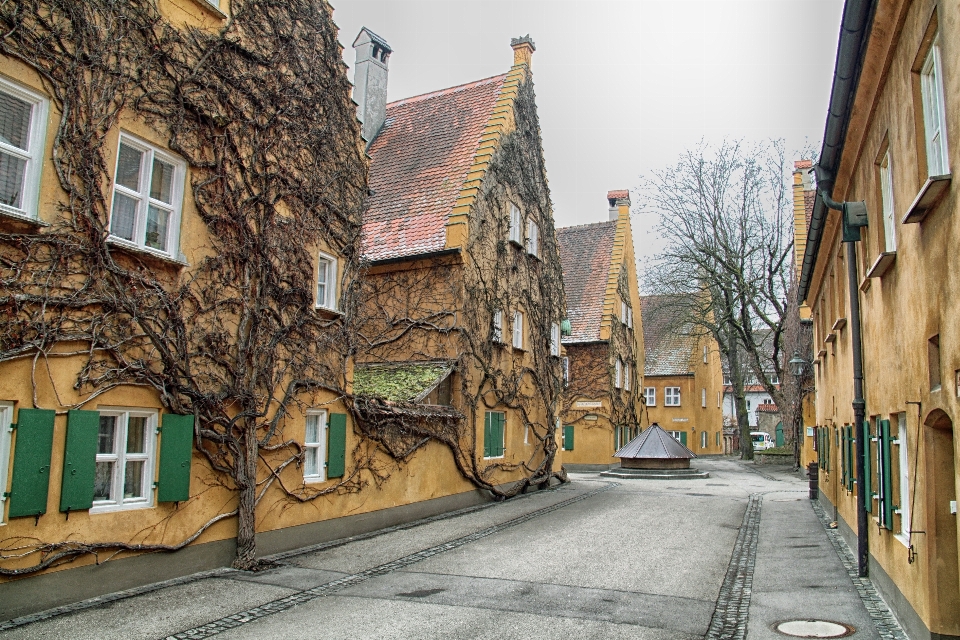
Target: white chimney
x,y
616,199
370,82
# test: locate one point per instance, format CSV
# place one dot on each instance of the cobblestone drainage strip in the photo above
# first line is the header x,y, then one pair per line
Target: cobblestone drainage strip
x,y
814,629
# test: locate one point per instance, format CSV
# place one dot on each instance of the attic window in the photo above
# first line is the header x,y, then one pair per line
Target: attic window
x,y
533,238
516,231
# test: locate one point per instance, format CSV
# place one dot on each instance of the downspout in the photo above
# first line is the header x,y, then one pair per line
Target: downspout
x,y
854,216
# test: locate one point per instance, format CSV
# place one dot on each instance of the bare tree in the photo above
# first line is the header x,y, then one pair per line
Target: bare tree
x,y
726,218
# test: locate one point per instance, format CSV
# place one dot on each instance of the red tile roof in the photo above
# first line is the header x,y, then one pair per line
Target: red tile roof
x,y
667,343
621,193
418,163
802,164
767,408
585,254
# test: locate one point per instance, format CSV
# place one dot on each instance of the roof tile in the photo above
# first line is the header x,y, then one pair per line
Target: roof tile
x,y
418,164
667,350
585,254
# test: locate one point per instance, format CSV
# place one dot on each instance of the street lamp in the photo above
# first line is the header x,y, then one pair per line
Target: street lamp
x,y
798,367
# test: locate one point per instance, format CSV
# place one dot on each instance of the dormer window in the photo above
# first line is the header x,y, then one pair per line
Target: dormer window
x,y
516,230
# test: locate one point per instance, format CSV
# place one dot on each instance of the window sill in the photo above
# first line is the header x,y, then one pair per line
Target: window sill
x,y
327,311
882,264
314,480
493,458
113,508
209,8
124,245
927,199
9,214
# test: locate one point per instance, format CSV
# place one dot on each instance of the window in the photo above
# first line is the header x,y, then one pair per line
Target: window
x,y
314,447
566,372
125,454
703,439
680,436
650,395
703,398
719,398
517,330
555,339
623,312
618,373
6,419
886,200
933,361
626,376
533,238
934,113
147,192
671,396
327,282
496,334
904,464
493,434
516,232
630,317
704,354
23,120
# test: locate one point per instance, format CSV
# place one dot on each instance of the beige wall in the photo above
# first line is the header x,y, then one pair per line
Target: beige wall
x,y
916,299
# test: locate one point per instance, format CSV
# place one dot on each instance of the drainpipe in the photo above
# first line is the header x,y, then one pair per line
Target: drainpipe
x,y
854,217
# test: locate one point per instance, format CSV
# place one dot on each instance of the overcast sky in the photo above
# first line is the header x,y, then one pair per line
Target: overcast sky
x,y
623,87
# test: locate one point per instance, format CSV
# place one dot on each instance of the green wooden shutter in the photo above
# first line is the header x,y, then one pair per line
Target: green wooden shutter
x,y
31,462
498,428
887,480
176,454
487,434
79,460
851,458
867,479
337,452
683,438
568,437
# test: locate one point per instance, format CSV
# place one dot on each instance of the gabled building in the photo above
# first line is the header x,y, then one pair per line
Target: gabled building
x,y
602,404
683,381
462,267
880,274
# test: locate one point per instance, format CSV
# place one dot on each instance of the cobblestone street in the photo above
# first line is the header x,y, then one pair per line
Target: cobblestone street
x,y
729,556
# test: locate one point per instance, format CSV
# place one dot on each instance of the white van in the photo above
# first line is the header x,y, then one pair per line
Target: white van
x,y
762,440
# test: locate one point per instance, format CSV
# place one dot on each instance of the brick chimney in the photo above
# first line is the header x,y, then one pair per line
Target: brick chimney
x,y
523,49
370,82
619,201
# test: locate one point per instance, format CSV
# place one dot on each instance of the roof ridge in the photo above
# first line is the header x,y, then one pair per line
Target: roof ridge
x,y
448,90
588,224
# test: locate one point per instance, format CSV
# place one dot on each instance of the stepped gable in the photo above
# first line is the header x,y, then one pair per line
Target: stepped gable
x,y
585,255
418,163
654,444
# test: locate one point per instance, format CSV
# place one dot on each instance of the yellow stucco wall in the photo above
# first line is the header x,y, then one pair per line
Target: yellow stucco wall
x,y
916,299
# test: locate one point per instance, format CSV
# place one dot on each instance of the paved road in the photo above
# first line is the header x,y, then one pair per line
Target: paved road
x,y
728,556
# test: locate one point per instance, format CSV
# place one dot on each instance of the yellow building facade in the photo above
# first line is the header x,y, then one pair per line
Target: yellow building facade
x,y
683,378
892,145
603,358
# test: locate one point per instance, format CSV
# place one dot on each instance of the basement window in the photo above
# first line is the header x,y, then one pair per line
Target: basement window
x,y
933,361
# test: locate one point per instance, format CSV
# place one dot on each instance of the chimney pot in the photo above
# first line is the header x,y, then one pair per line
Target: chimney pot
x,y
370,82
523,48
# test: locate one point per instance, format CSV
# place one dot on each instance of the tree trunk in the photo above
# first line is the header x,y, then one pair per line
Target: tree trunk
x,y
739,397
247,506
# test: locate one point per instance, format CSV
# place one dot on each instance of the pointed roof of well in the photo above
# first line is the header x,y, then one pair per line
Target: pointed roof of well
x,y
654,443
586,252
419,162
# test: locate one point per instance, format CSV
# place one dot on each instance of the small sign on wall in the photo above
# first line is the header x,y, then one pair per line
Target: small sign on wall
x,y
583,404
681,419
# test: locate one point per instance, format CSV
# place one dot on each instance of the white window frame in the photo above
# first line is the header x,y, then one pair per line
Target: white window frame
x,y
904,469
650,395
886,202
671,396
618,373
533,238
703,439
33,156
934,111
120,457
516,231
518,330
175,207
320,446
497,335
676,435
566,371
629,317
623,311
626,376
555,339
706,351
703,397
6,436
330,286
